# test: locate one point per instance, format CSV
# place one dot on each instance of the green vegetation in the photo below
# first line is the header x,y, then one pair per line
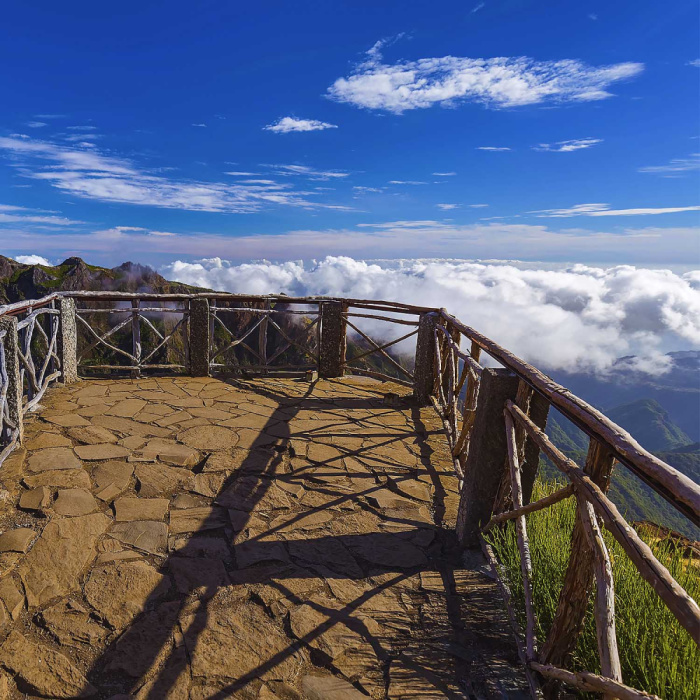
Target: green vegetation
x,y
647,419
656,653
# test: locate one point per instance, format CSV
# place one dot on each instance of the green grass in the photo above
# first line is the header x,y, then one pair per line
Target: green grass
x,y
656,653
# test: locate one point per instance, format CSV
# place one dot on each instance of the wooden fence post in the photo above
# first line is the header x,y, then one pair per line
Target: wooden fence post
x,y
199,337
578,581
333,342
487,454
424,364
68,341
14,377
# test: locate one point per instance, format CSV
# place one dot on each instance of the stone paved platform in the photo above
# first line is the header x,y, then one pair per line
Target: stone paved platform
x,y
192,538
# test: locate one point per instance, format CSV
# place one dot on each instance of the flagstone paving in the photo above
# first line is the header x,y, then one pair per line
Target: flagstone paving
x,y
272,538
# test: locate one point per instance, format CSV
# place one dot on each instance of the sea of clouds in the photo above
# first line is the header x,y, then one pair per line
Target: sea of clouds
x,y
576,318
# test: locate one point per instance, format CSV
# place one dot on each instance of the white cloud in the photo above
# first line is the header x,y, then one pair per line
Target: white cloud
x,y
448,207
36,125
82,128
309,173
407,182
32,260
444,174
367,190
568,146
575,318
605,210
478,7
289,124
492,82
695,63
202,126
89,174
677,165
477,206
593,17
493,148
24,215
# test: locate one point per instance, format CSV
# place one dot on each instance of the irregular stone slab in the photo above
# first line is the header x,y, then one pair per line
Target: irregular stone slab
x,y
336,637
108,493
113,473
11,596
61,478
35,499
120,591
408,681
128,427
257,640
74,502
70,623
146,644
149,536
67,420
383,498
93,453
174,678
194,573
17,540
211,547
127,408
53,458
250,553
128,509
209,484
92,435
46,672
157,479
179,455
53,566
387,550
209,437
188,500
196,519
329,688
328,551
46,439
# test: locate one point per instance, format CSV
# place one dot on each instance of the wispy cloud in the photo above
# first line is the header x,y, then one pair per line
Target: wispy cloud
x,y
492,82
360,189
87,127
309,173
90,174
287,125
568,146
476,8
407,182
695,63
24,215
605,210
676,166
477,206
36,125
201,126
493,148
444,174
448,207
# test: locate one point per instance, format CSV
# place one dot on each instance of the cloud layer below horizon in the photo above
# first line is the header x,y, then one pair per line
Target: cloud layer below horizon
x,y
578,318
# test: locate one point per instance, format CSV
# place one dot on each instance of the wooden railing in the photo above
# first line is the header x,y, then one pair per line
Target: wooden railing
x,y
494,421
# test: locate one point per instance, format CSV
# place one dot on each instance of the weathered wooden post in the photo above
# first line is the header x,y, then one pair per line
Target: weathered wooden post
x,y
424,365
578,581
333,342
14,377
199,338
68,341
487,454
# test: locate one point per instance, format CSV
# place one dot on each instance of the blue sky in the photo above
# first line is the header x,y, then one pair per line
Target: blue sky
x,y
168,130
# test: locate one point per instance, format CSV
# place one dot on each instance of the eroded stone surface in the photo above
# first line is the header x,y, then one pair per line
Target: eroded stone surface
x,y
17,540
52,458
122,590
56,560
74,502
45,671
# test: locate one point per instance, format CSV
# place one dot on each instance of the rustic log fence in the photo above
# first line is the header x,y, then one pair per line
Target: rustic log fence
x,y
494,421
